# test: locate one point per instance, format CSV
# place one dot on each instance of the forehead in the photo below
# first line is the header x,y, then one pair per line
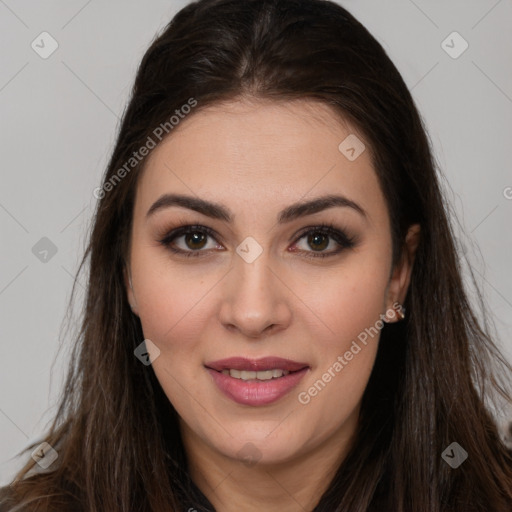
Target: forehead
x,y
257,153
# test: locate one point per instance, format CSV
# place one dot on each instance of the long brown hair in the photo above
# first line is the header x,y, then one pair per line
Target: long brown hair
x,y
116,432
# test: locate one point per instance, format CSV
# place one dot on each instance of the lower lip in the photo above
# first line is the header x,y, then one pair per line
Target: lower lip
x,y
262,392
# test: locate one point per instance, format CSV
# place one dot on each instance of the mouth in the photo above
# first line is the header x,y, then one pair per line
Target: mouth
x,y
251,375
256,382
256,365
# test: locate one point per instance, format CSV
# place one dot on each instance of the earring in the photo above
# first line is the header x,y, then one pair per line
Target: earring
x,y
400,311
396,310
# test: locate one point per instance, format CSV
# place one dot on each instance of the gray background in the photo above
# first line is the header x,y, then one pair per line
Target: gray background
x,y
59,119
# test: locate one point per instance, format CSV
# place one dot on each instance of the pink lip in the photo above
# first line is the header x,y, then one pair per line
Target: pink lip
x,y
254,392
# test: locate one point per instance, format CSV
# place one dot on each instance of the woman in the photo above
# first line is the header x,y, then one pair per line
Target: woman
x,y
275,317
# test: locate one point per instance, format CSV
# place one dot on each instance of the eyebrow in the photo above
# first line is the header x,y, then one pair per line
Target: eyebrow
x,y
220,212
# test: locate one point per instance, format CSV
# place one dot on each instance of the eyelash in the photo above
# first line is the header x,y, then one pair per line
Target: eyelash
x,y
339,236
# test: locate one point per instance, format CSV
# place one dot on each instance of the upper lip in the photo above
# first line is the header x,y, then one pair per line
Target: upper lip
x,y
255,365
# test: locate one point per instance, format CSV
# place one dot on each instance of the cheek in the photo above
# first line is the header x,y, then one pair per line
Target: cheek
x,y
168,293
350,304
173,316
345,301
172,308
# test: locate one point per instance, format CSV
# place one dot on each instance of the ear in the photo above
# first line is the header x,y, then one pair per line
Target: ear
x,y
401,276
129,289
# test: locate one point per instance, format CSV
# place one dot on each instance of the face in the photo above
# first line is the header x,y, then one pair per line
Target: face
x,y
238,276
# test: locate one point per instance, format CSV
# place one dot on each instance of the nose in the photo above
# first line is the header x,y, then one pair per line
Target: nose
x,y
255,301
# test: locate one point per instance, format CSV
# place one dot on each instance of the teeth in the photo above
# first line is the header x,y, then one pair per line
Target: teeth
x,y
249,375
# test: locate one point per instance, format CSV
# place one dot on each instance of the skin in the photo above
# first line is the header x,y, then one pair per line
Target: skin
x,y
256,158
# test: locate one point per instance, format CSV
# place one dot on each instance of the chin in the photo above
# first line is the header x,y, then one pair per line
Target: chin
x,y
256,446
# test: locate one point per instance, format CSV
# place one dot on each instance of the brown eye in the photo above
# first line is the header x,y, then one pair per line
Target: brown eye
x,y
195,240
319,238
318,241
189,240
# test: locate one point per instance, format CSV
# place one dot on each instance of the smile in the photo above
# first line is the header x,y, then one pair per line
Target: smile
x,y
256,382
251,375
